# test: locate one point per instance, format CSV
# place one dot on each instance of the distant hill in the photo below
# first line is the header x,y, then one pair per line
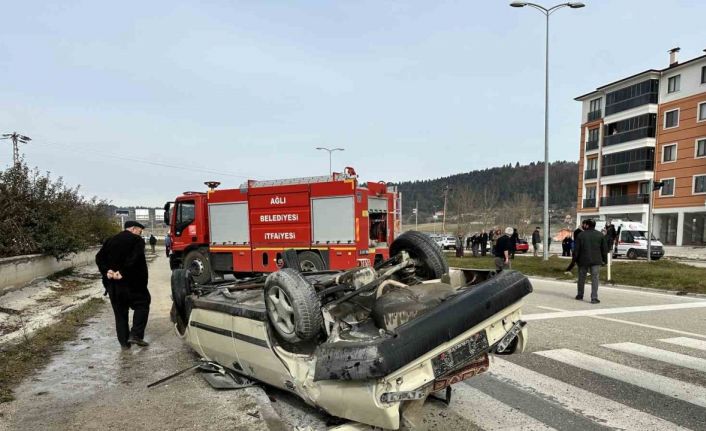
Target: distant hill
x,y
493,190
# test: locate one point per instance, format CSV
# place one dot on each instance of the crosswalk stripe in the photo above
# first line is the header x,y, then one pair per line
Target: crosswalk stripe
x,y
489,413
686,342
663,385
685,361
599,409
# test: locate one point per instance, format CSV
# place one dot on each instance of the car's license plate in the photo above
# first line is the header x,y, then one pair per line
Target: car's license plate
x,y
474,368
511,334
460,354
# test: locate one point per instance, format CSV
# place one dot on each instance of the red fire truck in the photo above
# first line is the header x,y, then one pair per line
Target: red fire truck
x,y
328,222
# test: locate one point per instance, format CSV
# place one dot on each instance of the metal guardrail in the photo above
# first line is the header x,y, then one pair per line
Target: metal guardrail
x,y
638,199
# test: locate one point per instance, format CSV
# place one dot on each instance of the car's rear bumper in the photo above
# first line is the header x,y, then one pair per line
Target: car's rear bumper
x,y
382,356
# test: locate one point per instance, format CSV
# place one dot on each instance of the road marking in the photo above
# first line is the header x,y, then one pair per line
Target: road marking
x,y
628,322
620,289
654,382
594,407
614,310
673,358
489,413
686,342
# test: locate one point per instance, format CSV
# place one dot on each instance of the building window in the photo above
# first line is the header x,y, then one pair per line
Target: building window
x,y
703,75
591,164
669,153
643,188
595,105
701,111
699,184
590,192
671,119
668,187
701,147
673,84
593,135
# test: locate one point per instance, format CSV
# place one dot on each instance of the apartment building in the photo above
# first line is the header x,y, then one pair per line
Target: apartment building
x,y
651,125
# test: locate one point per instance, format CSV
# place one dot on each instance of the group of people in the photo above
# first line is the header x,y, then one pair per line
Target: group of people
x,y
478,242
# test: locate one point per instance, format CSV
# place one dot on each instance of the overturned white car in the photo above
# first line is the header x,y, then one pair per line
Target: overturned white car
x,y
360,344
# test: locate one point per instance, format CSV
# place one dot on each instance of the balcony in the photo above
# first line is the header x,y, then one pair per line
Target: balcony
x,y
625,200
628,167
633,102
591,145
590,174
594,115
632,135
589,203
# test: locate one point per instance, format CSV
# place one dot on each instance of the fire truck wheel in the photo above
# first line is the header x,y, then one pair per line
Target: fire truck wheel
x,y
431,260
310,262
181,288
293,307
198,266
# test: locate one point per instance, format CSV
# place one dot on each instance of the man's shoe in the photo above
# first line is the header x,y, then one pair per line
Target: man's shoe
x,y
579,297
139,341
125,346
595,301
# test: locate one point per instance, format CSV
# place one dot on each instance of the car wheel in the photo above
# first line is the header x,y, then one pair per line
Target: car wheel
x,y
198,266
310,262
632,254
431,261
181,288
293,307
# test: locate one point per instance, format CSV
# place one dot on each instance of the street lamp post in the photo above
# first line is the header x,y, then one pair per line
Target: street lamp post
x,y
547,13
330,150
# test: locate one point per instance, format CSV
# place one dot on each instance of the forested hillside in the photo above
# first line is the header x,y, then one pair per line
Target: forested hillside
x,y
492,189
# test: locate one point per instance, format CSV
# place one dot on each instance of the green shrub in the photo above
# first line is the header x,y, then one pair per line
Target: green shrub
x,y
42,215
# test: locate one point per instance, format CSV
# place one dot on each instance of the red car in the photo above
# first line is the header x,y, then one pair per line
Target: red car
x,y
522,246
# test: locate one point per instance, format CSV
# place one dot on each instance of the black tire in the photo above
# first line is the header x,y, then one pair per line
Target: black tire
x,y
310,261
198,265
432,262
632,254
293,307
181,288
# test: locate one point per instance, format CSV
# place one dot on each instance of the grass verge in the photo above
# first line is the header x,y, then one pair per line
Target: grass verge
x,y
21,360
662,274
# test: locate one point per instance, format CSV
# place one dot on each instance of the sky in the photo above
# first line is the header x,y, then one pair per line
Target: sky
x,y
137,102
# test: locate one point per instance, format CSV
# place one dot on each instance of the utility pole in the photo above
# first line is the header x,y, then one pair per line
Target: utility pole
x,y
416,215
16,140
652,187
443,222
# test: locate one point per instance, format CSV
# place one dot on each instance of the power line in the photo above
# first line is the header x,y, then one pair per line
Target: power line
x,y
78,150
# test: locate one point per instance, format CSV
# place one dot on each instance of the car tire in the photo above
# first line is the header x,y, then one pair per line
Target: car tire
x,y
632,254
198,265
310,261
432,262
181,284
293,307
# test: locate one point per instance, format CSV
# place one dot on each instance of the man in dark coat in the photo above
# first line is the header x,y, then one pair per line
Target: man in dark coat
x,y
122,264
536,240
514,239
591,251
503,248
483,242
153,242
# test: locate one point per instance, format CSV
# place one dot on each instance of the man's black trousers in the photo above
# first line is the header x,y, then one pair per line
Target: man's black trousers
x,y
123,298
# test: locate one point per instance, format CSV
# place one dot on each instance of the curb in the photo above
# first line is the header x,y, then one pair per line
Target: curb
x,y
628,287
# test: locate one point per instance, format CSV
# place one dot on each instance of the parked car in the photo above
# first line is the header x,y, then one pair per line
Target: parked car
x,y
448,242
522,246
359,344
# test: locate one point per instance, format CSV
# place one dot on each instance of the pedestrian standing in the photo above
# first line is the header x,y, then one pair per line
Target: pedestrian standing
x,y
153,242
577,232
168,244
503,247
474,244
514,239
566,246
491,238
591,252
459,246
536,240
468,242
121,261
483,242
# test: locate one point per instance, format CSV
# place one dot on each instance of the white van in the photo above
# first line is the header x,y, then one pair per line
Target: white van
x,y
632,240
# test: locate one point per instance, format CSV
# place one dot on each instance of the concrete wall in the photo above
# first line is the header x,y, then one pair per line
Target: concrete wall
x,y
20,270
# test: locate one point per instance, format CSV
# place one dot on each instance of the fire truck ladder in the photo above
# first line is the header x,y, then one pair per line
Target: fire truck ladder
x,y
397,210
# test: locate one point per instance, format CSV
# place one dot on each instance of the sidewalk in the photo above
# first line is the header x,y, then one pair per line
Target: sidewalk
x,y
92,385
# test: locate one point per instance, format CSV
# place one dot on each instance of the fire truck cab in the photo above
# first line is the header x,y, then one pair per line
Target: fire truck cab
x,y
328,222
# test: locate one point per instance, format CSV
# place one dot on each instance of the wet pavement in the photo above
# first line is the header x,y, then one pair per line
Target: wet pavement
x,y
92,385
